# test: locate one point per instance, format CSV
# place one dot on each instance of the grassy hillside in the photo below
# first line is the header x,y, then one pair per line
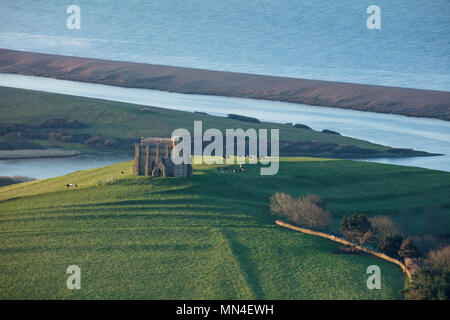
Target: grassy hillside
x,y
116,120
202,237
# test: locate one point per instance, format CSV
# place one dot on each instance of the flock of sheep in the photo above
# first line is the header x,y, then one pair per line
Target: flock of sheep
x,y
72,185
225,169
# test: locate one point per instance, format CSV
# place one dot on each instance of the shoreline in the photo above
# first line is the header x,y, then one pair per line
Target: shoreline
x,y
22,154
380,99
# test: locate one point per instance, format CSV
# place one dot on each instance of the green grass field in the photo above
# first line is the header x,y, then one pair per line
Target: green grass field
x,y
209,236
126,121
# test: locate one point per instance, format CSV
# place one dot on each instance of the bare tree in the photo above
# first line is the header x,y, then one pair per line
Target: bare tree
x,y
440,259
357,228
383,226
305,211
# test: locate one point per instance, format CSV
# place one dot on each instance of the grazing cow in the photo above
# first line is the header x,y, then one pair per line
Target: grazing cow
x,y
241,167
69,185
224,170
121,172
234,170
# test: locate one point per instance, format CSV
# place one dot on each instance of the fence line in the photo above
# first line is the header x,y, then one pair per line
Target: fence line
x,y
342,241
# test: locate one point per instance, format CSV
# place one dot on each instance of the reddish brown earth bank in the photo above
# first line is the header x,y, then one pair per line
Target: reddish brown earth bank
x,y
404,101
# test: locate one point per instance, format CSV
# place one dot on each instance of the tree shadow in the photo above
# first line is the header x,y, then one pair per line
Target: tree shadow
x,y
242,255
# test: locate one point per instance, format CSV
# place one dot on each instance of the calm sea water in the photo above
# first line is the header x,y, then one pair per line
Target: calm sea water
x,y
53,167
325,39
430,135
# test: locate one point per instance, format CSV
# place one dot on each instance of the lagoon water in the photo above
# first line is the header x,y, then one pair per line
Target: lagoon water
x,y
326,39
429,135
43,168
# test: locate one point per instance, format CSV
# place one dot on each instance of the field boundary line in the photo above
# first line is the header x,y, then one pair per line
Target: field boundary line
x,y
342,241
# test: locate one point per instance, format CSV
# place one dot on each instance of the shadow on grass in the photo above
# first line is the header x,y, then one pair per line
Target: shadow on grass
x,y
242,255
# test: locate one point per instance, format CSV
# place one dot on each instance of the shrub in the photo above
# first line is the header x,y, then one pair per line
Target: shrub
x,y
283,204
110,143
408,249
95,142
305,211
16,143
63,123
356,228
429,284
382,227
432,281
5,180
301,126
242,118
313,198
66,139
440,259
6,128
430,242
390,245
330,132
